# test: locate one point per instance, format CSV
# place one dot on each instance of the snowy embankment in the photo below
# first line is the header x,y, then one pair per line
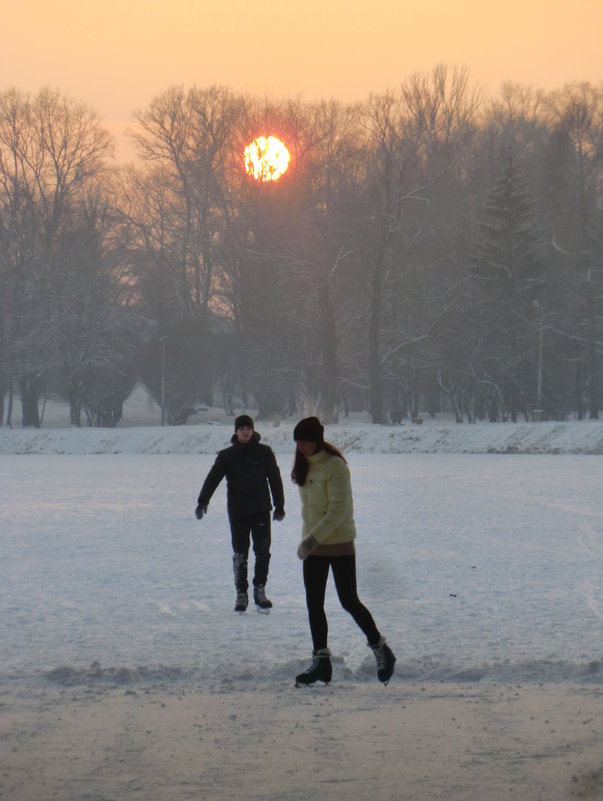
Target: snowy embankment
x,y
584,437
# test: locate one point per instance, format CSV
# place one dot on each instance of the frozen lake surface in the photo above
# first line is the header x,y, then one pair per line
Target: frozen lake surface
x,y
474,566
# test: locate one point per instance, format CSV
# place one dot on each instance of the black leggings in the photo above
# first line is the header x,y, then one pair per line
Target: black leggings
x,y
316,573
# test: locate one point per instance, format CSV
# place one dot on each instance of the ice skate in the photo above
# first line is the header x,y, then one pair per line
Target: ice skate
x,y
319,670
242,602
263,604
385,660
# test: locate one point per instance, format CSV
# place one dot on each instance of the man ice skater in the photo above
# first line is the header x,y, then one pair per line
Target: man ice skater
x,y
252,477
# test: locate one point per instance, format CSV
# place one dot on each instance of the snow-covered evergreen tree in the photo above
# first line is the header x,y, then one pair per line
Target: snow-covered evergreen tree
x,y
508,269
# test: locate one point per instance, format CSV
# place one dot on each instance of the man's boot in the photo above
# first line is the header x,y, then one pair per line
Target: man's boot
x,y
259,598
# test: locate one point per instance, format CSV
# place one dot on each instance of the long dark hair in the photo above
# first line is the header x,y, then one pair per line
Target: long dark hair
x,y
301,465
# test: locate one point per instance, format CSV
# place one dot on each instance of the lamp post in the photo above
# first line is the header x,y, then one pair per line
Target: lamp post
x,y
537,413
539,386
162,340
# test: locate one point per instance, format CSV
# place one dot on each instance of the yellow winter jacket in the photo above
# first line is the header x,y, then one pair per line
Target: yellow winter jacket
x,y
326,498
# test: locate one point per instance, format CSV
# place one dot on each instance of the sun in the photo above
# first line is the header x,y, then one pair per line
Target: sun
x,y
266,158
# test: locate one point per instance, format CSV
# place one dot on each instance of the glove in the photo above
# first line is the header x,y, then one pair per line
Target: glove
x,y
201,510
279,514
306,546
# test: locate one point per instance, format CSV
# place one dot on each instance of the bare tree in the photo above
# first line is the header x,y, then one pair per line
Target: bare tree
x,y
414,137
180,203
50,149
179,208
323,259
575,114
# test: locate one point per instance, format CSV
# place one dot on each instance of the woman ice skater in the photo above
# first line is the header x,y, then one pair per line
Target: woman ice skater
x,y
328,534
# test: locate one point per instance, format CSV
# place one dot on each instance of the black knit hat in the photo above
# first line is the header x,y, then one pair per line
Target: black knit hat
x,y
243,420
309,429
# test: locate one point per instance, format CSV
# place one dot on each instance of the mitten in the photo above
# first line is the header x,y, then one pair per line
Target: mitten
x,y
279,514
306,546
201,510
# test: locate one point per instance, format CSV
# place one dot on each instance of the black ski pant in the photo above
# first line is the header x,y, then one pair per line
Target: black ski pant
x,y
316,573
242,527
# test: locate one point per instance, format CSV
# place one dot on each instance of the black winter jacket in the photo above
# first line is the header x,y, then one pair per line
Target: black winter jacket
x,y
249,469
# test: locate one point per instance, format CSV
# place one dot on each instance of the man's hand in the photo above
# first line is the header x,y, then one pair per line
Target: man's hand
x,y
200,511
279,514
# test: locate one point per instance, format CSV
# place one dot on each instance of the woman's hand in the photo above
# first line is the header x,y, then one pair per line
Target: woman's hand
x,y
306,546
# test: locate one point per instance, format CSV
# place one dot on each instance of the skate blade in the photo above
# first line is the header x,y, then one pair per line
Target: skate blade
x,y
263,611
313,683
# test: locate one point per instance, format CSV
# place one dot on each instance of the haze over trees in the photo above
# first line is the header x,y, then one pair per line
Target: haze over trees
x,y
430,249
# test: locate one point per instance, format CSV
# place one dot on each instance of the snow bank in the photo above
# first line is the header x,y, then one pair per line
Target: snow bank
x,y
584,437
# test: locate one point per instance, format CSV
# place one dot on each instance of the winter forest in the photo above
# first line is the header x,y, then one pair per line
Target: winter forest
x,y
429,249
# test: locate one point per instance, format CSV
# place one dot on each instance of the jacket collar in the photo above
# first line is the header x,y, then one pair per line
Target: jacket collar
x,y
255,438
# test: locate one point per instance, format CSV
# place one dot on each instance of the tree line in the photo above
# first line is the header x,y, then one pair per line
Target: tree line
x,y
428,249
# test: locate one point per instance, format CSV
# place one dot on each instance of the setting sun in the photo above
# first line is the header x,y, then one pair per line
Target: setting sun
x,y
266,158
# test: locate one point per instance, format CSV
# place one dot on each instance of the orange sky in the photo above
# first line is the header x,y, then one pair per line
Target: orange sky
x,y
117,54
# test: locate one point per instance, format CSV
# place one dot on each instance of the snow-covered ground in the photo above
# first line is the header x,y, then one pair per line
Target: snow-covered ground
x,y
125,673
474,566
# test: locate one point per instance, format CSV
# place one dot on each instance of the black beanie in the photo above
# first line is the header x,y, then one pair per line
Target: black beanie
x,y
309,429
243,420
